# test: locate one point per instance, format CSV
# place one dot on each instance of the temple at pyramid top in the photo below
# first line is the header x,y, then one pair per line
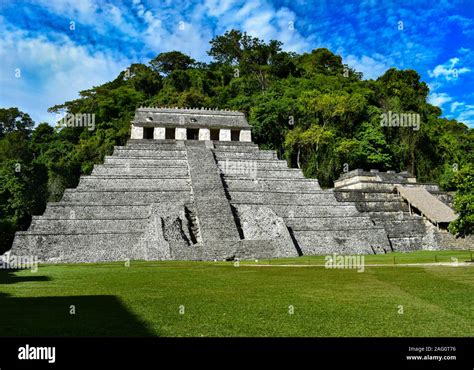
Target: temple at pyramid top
x,y
190,124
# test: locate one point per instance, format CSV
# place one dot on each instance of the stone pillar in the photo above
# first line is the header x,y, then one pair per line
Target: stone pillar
x,y
245,135
137,132
204,134
180,133
224,134
159,133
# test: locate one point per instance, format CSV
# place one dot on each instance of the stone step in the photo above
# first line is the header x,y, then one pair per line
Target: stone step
x,y
123,197
360,196
166,144
145,162
195,143
139,154
406,244
279,174
234,167
279,185
379,216
358,241
273,197
387,206
233,148
88,226
330,223
217,232
155,153
405,228
116,170
160,147
152,142
95,183
234,144
250,149
259,249
61,210
216,220
260,155
365,190
88,247
446,240
319,210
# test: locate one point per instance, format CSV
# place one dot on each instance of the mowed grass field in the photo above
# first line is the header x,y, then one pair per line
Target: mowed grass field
x,y
220,299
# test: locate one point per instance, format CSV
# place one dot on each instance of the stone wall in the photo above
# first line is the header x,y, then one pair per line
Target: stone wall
x,y
316,222
407,231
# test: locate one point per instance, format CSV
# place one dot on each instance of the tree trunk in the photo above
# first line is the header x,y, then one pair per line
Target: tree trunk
x,y
298,158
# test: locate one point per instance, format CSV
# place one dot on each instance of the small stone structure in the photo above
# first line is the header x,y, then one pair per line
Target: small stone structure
x,y
190,124
191,185
414,215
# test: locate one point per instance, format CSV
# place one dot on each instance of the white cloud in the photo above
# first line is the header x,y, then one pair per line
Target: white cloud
x,y
448,70
439,99
83,11
258,18
455,105
467,117
217,8
51,73
464,22
371,66
248,9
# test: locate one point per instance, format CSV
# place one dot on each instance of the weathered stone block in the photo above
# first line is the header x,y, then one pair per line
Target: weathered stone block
x,y
137,133
159,133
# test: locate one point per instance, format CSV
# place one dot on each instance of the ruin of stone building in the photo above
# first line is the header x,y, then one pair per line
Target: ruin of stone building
x,y
190,184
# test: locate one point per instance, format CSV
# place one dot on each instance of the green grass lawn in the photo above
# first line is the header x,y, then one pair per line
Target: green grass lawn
x,y
219,299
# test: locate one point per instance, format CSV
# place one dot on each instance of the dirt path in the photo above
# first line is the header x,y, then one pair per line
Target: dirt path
x,y
449,264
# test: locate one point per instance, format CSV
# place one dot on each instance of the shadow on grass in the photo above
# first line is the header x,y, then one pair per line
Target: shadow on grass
x,y
100,315
97,315
9,277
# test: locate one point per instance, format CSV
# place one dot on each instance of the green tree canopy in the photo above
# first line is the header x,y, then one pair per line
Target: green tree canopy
x,y
171,61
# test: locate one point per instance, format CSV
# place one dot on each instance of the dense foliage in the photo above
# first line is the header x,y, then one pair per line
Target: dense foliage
x,y
315,111
464,202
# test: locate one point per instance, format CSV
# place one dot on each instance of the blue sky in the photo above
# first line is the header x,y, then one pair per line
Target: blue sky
x,y
44,62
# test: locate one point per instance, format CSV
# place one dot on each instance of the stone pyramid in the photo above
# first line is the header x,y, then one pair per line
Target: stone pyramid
x,y
191,185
